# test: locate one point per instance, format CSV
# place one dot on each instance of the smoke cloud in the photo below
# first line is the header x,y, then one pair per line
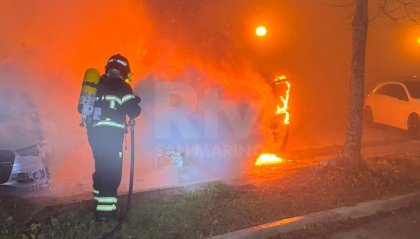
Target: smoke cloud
x,y
182,53
45,52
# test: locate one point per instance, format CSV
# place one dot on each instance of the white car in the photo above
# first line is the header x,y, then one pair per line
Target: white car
x,y
24,168
23,150
397,104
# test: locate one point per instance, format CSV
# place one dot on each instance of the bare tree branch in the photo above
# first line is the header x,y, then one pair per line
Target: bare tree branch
x,y
401,11
381,10
397,11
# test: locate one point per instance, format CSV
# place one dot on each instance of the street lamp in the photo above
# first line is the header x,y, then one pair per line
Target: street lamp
x,y
261,31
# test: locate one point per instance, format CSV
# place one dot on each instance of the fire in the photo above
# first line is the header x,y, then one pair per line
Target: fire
x,y
284,107
268,159
280,82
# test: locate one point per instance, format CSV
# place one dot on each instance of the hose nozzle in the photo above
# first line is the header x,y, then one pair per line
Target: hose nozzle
x,y
132,122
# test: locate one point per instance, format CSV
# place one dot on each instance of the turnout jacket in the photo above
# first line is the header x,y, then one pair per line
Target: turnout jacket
x,y
114,101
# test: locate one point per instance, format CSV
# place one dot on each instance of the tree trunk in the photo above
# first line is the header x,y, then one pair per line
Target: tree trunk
x,y
355,117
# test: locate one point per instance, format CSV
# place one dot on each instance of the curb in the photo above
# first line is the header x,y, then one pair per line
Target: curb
x,y
334,215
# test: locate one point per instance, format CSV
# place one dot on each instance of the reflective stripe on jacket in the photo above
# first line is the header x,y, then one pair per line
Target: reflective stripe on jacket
x,y
116,101
109,122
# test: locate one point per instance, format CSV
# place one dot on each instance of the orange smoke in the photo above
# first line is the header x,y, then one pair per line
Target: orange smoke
x,y
55,49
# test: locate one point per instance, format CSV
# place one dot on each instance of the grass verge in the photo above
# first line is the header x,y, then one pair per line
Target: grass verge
x,y
206,210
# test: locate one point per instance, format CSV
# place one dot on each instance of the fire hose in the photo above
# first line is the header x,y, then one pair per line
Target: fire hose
x,y
124,217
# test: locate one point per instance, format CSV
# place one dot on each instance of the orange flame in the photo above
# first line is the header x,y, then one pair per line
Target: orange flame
x,y
283,109
268,159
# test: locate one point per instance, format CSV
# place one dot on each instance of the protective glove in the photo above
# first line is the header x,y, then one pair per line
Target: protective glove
x,y
136,109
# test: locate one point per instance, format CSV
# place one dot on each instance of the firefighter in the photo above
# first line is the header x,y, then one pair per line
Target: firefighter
x,y
114,101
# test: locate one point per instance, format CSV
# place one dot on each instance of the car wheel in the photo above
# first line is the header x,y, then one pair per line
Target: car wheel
x,y
413,126
368,116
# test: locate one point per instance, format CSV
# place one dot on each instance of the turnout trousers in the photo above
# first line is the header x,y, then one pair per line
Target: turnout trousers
x,y
106,143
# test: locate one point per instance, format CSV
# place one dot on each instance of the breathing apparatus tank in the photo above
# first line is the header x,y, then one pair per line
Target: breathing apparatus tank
x,y
88,95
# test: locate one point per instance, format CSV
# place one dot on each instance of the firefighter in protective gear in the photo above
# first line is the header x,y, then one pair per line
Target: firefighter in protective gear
x,y
114,102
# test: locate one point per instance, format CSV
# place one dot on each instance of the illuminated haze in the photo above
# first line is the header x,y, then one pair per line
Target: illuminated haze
x,y
45,46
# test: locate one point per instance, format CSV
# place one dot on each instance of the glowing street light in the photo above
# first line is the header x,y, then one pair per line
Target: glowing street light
x,y
261,31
